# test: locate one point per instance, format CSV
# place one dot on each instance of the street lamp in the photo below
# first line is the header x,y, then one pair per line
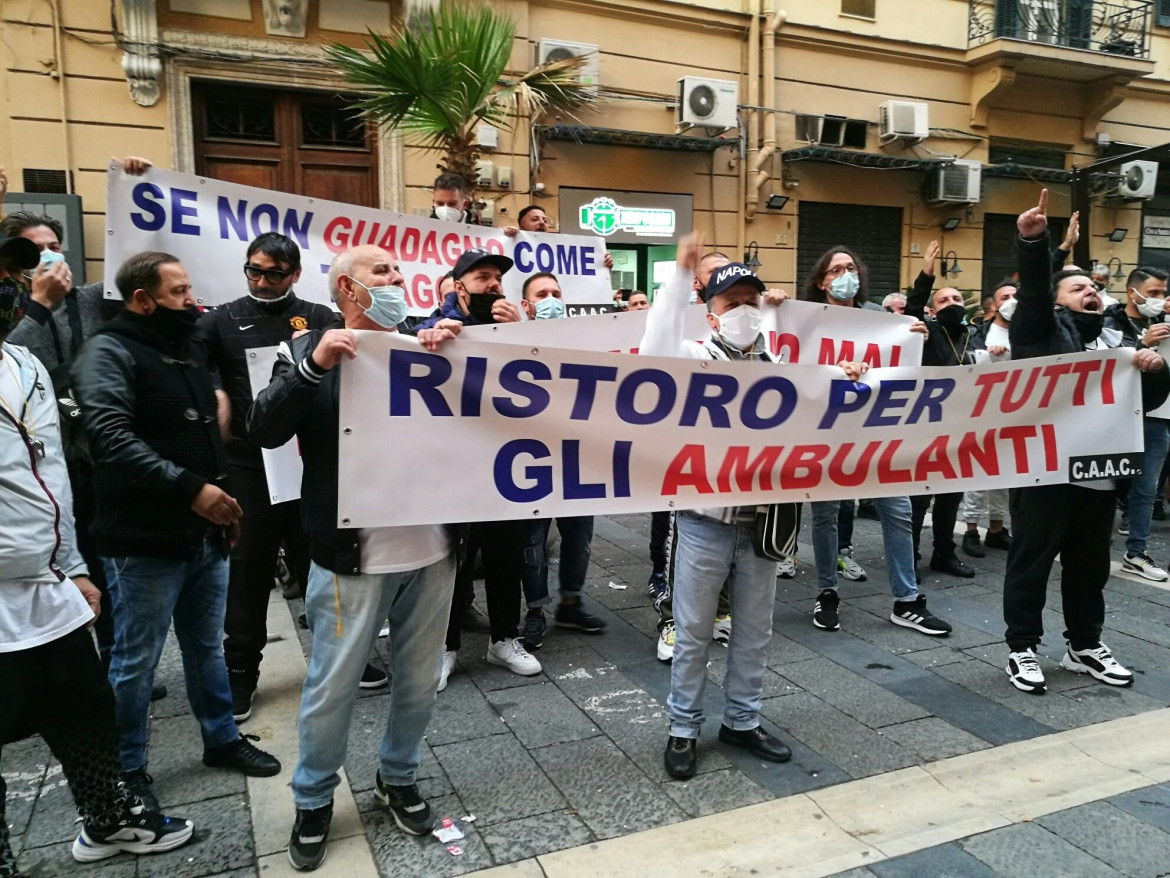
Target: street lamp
x,y
751,256
954,268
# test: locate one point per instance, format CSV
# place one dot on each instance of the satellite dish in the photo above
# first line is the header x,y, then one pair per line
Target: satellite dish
x,y
702,101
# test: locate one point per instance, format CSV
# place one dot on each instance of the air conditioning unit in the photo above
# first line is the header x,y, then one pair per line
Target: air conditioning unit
x,y
1138,181
903,120
548,51
709,103
956,183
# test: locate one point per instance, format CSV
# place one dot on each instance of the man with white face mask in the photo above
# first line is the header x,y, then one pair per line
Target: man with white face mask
x,y
269,314
1142,325
715,545
449,201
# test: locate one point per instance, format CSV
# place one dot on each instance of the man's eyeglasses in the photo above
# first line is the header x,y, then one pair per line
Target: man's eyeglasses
x,y
272,275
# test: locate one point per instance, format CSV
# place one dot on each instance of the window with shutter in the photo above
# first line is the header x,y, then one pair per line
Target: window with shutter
x,y
1164,13
860,8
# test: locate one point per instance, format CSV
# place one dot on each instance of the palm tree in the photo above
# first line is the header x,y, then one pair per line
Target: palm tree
x,y
435,80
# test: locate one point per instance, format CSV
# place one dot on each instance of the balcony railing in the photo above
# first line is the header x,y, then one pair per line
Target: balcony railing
x,y
1116,27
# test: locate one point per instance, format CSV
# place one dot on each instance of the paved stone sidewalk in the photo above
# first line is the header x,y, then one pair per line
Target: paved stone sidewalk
x,y
574,755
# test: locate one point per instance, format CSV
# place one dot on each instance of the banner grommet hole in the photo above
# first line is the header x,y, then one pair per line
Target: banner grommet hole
x,y
347,431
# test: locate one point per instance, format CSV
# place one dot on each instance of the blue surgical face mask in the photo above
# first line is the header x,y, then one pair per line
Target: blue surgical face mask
x,y
845,286
387,304
550,307
48,257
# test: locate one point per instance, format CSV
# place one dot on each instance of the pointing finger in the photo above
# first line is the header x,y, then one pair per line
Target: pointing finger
x,y
1042,204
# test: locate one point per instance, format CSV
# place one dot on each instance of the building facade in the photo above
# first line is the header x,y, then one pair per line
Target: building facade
x,y
1014,93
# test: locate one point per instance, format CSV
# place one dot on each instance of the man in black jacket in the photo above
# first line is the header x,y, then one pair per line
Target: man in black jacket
x,y
1061,314
162,522
269,314
358,578
950,342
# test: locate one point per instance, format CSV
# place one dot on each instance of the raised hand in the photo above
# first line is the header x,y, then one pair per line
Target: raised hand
x,y
1033,222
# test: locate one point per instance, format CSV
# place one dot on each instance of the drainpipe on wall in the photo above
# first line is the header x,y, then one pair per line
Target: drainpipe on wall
x,y
752,138
59,74
758,171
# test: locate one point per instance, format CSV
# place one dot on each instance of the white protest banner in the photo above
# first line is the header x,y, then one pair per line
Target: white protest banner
x,y
282,466
543,432
797,332
208,223
1162,411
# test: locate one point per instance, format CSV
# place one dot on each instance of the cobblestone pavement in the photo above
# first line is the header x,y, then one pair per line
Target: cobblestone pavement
x,y
573,756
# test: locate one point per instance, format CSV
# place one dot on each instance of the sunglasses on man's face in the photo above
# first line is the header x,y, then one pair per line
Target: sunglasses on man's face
x,y
272,275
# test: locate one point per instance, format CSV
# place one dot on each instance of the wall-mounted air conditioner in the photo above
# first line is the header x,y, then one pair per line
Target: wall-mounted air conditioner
x,y
709,103
548,51
1137,182
955,183
903,120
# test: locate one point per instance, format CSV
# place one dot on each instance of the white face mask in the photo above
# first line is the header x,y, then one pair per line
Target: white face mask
x,y
449,214
1148,307
740,327
1007,309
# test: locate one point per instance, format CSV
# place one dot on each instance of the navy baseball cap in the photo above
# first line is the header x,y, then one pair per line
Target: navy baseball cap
x,y
476,257
22,251
726,276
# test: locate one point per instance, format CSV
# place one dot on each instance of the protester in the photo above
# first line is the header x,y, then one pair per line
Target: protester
x,y
52,683
450,199
895,303
638,301
163,523
1061,314
715,545
269,314
839,278
1142,325
534,219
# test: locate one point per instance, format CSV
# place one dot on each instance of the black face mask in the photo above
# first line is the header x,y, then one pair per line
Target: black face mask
x,y
173,324
952,316
1088,324
480,306
12,296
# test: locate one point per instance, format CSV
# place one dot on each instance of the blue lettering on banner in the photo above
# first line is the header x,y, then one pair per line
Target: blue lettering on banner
x,y
472,391
154,215
840,402
667,394
934,391
540,477
715,404
563,259
575,489
246,226
403,382
886,401
511,382
180,211
586,377
749,409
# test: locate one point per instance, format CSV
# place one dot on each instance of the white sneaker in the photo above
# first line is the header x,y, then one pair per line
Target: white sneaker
x,y
1098,662
385,632
1024,671
512,655
721,631
786,569
666,642
1143,565
446,669
849,568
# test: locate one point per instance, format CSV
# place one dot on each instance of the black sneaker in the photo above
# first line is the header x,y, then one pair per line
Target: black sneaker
x,y
243,685
409,810
140,832
913,614
310,834
243,756
158,692
473,620
998,539
657,585
574,616
951,565
372,678
680,758
972,545
534,627
1159,513
138,784
825,610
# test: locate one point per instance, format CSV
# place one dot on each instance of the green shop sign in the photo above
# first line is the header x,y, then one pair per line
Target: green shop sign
x,y
604,216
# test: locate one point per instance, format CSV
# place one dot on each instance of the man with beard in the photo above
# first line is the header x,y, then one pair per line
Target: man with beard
x,y
1062,314
269,314
950,342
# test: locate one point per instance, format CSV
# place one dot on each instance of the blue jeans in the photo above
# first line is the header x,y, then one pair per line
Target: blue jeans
x,y
344,615
1143,488
146,594
709,553
576,539
897,539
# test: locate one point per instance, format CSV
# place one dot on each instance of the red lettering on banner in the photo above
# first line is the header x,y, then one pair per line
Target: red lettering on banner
x,y
1053,373
885,472
430,249
1008,405
860,472
336,234
450,248
807,458
777,341
410,245
736,459
388,238
933,459
1083,369
828,355
985,383
1048,434
493,246
1107,382
1019,437
421,293
687,470
986,456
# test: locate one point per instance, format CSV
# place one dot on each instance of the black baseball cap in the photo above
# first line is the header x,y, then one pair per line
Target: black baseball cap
x,y
726,276
22,251
476,257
